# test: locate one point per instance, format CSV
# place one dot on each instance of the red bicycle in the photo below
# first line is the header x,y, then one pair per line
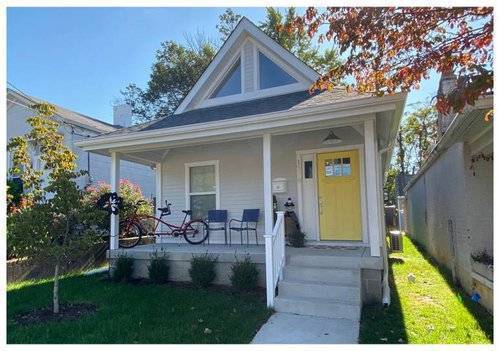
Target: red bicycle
x,y
132,229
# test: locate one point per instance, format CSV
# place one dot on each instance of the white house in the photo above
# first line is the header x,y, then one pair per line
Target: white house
x,y
76,126
450,199
250,121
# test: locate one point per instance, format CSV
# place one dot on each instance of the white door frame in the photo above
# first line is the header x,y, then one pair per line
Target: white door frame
x,y
362,183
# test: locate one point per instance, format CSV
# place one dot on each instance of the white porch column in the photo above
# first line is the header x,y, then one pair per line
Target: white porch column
x,y
159,197
115,187
268,191
372,184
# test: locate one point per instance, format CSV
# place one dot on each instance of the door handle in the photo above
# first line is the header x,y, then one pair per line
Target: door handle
x,y
320,206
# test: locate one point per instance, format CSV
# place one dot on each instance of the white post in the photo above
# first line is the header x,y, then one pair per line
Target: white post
x,y
268,191
282,242
159,197
268,217
371,159
115,187
269,270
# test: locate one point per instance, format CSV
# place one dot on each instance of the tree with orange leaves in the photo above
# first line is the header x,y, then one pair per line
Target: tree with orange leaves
x,y
391,49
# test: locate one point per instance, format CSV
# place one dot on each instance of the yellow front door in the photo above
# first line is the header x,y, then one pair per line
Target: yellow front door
x,y
339,195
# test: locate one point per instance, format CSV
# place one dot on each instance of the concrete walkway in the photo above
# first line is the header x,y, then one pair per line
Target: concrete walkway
x,y
289,328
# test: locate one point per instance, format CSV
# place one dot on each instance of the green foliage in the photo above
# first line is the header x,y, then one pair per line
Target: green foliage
x,y
390,185
419,130
130,193
14,194
244,276
159,269
416,137
45,140
227,22
202,271
298,42
296,238
175,70
51,229
123,270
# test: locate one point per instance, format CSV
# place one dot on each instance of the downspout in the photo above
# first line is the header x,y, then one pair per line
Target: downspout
x,y
386,290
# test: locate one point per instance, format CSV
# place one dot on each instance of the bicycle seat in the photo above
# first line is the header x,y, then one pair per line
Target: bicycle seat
x,y
188,212
163,209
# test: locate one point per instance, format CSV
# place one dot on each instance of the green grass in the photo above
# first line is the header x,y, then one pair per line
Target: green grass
x,y
136,313
429,311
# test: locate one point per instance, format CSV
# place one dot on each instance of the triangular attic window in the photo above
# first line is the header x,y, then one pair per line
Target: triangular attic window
x,y
271,75
231,84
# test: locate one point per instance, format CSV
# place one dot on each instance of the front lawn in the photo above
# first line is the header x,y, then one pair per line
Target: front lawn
x,y
136,313
428,311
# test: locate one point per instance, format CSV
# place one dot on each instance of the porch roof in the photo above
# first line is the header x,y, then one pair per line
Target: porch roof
x,y
288,113
284,102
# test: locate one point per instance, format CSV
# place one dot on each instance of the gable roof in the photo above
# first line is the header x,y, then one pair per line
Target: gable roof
x,y
245,26
70,116
280,103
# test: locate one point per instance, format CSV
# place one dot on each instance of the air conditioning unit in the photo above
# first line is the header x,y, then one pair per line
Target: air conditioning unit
x,y
396,239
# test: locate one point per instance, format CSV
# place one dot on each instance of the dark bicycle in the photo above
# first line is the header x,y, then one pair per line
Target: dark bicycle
x,y
132,229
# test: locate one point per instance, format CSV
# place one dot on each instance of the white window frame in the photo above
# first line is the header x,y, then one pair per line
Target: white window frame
x,y
277,61
187,182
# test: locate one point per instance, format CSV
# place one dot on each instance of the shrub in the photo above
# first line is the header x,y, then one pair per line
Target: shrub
x,y
297,238
244,275
159,269
130,193
124,267
202,271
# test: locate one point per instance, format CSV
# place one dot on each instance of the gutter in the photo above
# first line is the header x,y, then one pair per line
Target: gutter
x,y
339,108
447,139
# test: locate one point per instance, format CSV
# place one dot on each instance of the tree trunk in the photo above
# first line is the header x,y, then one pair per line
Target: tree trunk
x,y
55,296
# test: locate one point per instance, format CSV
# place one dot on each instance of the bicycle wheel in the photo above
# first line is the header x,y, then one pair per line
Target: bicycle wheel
x,y
130,234
196,232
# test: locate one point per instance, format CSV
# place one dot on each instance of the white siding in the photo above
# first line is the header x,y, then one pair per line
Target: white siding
x,y
99,165
240,172
248,66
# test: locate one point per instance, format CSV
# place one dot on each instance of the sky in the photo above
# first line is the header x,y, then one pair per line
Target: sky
x,y
80,58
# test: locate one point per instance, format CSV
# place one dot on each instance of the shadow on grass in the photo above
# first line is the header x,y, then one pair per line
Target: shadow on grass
x,y
483,318
381,324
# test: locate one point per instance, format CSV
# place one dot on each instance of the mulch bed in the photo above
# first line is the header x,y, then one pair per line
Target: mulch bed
x,y
67,312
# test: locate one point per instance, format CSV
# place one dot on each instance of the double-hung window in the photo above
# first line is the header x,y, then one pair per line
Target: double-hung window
x,y
202,188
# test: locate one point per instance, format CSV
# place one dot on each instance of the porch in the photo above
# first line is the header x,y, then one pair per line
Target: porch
x,y
349,258
243,162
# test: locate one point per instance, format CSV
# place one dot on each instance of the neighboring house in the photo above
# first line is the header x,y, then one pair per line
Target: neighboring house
x,y
248,129
450,200
75,126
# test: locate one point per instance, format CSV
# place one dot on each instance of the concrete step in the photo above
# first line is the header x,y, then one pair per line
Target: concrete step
x,y
344,277
302,288
318,307
324,261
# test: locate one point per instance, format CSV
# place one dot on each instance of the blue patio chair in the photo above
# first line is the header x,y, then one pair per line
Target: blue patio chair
x,y
217,221
248,223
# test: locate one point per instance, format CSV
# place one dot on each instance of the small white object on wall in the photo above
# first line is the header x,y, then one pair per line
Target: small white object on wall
x,y
279,185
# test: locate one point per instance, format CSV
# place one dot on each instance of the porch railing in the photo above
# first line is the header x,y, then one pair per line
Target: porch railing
x,y
275,257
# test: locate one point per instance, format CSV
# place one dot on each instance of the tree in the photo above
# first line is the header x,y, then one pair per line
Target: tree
x,y
391,49
175,70
227,22
53,228
419,132
298,42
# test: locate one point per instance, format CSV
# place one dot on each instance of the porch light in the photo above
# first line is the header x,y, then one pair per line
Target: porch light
x,y
331,138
